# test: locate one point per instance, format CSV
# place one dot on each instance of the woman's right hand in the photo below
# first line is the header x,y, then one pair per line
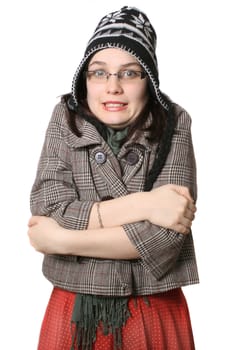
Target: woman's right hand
x,y
172,207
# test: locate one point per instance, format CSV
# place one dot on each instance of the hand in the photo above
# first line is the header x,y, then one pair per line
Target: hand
x,y
172,207
45,235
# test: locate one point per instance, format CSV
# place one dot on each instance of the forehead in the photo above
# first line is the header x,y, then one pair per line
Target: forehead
x,y
113,56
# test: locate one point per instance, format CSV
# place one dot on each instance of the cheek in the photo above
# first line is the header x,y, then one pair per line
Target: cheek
x,y
145,91
141,97
90,100
93,94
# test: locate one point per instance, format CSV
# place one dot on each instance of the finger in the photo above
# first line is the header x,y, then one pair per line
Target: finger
x,y
182,229
186,222
30,222
188,205
33,221
30,238
185,192
189,214
191,206
30,233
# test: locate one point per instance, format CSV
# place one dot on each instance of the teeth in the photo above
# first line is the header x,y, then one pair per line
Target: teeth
x,y
114,104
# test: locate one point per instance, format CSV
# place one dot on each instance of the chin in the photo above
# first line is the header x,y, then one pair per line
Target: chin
x,y
117,126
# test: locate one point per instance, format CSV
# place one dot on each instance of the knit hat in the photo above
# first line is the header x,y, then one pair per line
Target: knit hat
x,y
128,29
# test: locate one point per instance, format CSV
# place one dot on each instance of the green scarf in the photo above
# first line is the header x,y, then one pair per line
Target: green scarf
x,y
115,137
92,311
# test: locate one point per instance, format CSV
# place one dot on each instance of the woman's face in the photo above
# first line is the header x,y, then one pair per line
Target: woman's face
x,y
115,101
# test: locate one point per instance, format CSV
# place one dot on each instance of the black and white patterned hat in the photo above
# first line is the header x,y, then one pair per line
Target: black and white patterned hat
x,y
128,29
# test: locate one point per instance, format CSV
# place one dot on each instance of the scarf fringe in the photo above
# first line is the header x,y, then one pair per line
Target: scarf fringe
x,y
93,311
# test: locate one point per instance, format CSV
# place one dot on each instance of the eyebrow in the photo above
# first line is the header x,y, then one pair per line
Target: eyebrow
x,y
129,64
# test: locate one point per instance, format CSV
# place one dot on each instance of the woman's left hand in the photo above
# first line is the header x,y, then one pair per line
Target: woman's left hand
x,y
45,235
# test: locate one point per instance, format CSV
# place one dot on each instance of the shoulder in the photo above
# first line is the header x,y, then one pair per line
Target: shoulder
x,y
59,113
183,118
58,125
56,121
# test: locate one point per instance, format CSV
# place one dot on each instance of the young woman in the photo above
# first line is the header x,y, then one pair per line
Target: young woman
x,y
114,199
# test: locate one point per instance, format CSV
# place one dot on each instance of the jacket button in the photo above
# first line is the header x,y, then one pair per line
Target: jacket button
x,y
100,157
132,158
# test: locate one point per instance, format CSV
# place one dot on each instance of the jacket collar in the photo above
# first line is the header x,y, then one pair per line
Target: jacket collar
x,y
91,136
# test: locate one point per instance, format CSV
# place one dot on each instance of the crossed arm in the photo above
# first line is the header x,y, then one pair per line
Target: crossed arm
x,y
169,206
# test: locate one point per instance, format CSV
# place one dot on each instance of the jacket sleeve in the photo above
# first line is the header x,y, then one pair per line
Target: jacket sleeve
x,y
159,248
53,192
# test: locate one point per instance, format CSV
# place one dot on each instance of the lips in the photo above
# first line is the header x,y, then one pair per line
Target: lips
x,y
114,105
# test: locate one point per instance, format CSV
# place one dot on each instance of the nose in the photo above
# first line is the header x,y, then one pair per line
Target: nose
x,y
113,85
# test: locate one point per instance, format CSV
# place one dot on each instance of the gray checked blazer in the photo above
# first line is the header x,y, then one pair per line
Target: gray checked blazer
x,y
74,172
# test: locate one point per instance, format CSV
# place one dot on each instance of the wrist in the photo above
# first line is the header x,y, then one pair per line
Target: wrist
x,y
65,241
139,206
147,205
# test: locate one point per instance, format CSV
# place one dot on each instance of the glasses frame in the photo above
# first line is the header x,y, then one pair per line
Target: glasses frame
x,y
105,77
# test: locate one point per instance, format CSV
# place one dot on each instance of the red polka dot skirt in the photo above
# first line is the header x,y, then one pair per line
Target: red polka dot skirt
x,y
164,324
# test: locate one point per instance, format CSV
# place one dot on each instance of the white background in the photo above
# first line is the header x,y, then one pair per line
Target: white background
x,y
42,43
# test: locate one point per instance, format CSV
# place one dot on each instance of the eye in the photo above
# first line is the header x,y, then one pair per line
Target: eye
x,y
129,74
99,73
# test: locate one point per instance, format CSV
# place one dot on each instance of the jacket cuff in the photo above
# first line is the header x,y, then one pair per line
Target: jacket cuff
x,y
159,248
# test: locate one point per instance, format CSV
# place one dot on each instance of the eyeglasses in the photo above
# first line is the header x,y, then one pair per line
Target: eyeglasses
x,y
101,76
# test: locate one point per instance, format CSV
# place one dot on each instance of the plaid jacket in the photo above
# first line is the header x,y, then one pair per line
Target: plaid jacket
x,y
70,178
